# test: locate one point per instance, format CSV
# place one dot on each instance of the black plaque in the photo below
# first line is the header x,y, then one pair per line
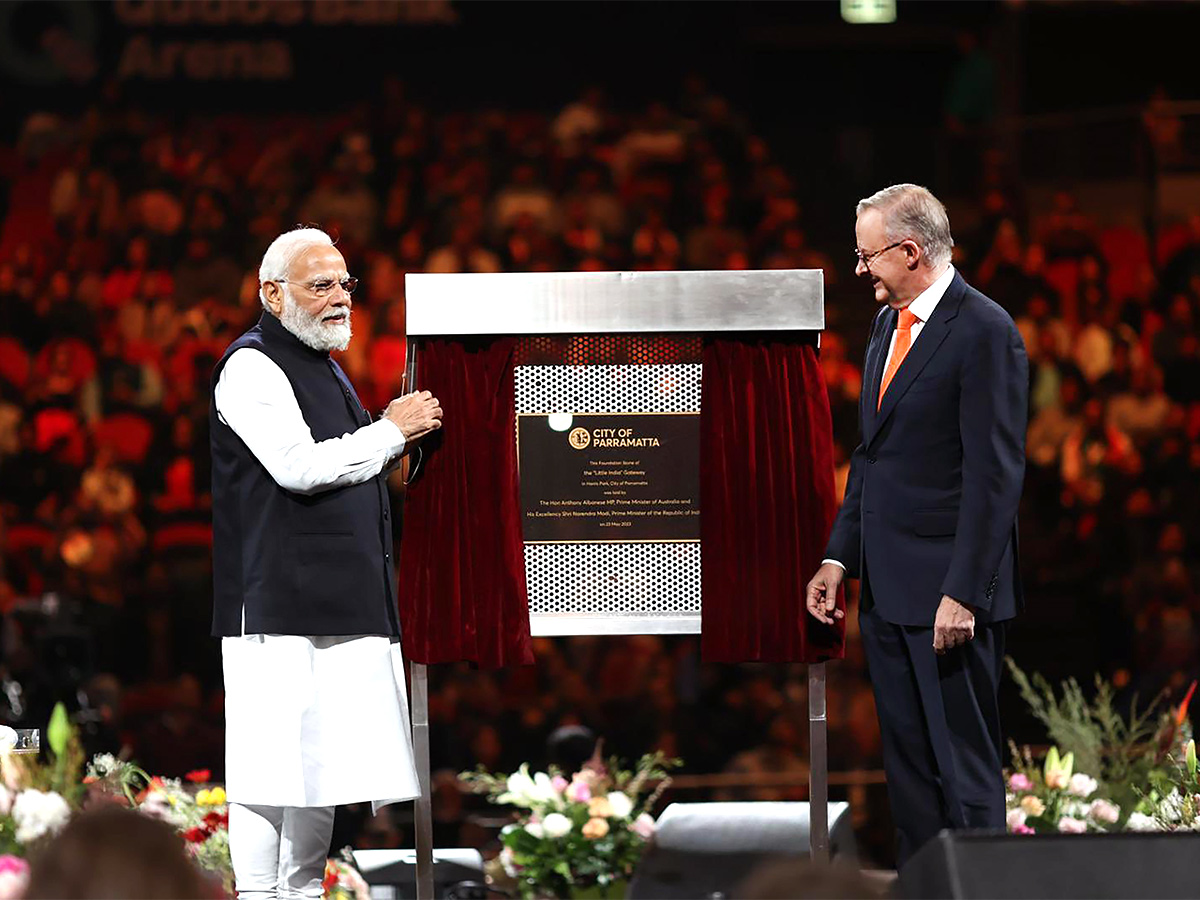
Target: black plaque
x,y
610,477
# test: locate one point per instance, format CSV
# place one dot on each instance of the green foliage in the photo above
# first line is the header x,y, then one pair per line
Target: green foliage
x,y
58,732
61,772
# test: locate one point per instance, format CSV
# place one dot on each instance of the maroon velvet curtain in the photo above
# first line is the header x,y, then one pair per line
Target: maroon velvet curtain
x,y
462,567
766,499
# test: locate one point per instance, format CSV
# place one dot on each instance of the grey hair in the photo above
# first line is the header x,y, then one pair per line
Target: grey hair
x,y
283,251
911,212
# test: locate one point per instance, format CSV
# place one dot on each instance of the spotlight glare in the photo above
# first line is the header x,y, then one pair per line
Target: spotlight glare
x,y
869,12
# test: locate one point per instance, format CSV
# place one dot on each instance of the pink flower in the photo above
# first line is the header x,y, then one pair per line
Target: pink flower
x,y
1082,785
1103,811
1015,819
559,783
1020,782
1067,825
1023,829
643,826
579,791
14,877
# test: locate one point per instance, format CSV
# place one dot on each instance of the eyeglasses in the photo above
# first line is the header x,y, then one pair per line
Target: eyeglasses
x,y
322,287
865,258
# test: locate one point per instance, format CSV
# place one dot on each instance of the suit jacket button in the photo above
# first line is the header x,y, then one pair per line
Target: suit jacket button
x,y
871,460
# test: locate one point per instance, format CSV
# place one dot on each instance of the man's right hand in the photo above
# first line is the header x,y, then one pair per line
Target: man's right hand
x,y
416,415
821,596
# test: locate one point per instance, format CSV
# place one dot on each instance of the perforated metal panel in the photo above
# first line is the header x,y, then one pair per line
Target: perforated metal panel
x,y
614,587
614,579
600,389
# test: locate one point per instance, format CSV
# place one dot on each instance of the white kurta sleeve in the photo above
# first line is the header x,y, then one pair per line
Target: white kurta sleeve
x,y
254,397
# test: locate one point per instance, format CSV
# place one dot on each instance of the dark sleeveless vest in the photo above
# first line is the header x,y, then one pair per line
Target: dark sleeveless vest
x,y
296,564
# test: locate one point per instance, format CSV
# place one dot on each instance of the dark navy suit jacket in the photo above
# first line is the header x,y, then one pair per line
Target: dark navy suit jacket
x,y
931,500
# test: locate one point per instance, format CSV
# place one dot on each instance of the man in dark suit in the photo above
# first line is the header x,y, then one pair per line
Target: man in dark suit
x,y
928,522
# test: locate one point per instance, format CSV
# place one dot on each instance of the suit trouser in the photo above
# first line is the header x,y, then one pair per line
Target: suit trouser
x,y
940,723
279,851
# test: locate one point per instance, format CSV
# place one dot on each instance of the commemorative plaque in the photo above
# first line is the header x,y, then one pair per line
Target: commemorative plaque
x,y
614,477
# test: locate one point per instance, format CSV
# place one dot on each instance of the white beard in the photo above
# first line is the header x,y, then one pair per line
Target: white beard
x,y
311,331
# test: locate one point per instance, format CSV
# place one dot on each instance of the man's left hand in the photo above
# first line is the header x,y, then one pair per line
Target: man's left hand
x,y
953,625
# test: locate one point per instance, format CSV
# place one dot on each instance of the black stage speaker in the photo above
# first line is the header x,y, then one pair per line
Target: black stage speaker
x,y
707,849
1000,866
392,874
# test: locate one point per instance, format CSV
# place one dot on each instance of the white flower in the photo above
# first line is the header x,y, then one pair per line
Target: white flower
x,y
37,814
621,805
1142,822
8,737
530,791
1082,785
556,825
535,829
1171,807
103,764
544,793
1015,818
507,861
1104,811
520,788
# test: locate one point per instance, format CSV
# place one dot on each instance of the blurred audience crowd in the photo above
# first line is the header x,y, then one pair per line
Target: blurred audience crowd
x,y
128,260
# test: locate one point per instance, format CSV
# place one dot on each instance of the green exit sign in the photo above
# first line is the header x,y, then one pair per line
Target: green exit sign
x,y
869,12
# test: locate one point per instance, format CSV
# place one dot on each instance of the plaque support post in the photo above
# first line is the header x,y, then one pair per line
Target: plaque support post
x,y
419,684
423,810
818,767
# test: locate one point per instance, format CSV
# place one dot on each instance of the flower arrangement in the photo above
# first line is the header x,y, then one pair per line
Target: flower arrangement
x,y
37,797
200,814
577,836
1132,758
1053,797
1174,806
342,879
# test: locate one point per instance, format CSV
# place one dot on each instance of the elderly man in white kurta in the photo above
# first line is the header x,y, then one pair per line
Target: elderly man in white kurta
x,y
304,595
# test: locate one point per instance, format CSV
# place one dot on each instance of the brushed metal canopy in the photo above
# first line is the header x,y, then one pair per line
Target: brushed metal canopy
x,y
613,302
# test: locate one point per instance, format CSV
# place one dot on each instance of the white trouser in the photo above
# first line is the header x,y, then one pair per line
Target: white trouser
x,y
279,851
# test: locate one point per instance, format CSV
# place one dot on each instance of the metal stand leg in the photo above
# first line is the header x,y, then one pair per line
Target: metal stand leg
x,y
818,767
423,813
423,810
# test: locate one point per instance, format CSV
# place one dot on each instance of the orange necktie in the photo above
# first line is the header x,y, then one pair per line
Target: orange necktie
x,y
903,342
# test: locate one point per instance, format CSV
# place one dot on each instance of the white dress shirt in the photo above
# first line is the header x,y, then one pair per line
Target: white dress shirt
x,y
310,720
922,307
254,397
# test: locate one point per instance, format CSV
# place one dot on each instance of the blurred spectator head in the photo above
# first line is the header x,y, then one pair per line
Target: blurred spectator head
x,y
115,853
570,746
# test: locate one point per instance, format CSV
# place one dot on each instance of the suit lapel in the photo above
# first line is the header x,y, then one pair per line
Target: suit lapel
x,y
932,334
876,355
352,402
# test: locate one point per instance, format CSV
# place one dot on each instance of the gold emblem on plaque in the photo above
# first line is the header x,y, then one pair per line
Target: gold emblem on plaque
x,y
580,438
